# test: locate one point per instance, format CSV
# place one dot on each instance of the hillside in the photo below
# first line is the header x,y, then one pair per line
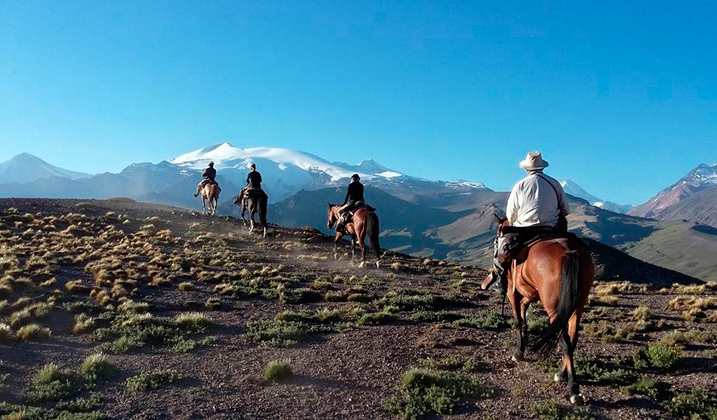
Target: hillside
x,y
189,309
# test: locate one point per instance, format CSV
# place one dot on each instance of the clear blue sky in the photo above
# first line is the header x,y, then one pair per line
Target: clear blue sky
x,y
621,96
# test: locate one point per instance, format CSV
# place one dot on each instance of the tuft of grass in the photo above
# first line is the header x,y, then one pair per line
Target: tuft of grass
x,y
185,286
33,332
192,322
278,370
96,366
83,324
424,392
212,304
642,313
5,333
152,380
376,318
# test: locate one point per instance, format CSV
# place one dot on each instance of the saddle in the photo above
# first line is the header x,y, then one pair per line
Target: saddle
x,y
360,205
524,238
255,192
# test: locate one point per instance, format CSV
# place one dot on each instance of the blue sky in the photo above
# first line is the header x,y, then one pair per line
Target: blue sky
x,y
620,96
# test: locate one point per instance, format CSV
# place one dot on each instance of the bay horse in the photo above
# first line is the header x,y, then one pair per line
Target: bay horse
x,y
363,223
243,204
255,201
210,198
559,273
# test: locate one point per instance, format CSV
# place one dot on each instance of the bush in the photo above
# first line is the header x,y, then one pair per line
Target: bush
x,y
695,404
424,392
490,320
659,356
278,370
152,380
275,333
51,383
644,386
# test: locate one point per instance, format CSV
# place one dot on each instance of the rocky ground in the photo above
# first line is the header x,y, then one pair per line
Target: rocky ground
x,y
188,310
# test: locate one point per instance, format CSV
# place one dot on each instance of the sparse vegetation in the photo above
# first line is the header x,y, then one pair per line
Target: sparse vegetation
x,y
153,379
424,392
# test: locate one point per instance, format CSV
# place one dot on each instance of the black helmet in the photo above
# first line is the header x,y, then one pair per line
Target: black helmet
x,y
211,164
355,177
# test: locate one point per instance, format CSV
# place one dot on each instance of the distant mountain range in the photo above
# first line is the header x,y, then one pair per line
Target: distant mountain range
x,y
418,216
693,197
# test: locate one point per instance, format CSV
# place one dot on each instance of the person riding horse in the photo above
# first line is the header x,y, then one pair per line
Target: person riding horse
x,y
208,176
354,198
253,182
537,206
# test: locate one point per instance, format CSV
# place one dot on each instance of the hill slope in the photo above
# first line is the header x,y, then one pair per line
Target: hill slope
x,y
190,309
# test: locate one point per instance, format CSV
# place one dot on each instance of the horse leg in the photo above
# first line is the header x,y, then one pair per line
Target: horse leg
x,y
336,245
520,345
514,298
353,248
362,246
567,368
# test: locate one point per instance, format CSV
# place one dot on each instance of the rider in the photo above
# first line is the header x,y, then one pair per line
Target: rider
x,y
208,176
537,205
354,198
253,181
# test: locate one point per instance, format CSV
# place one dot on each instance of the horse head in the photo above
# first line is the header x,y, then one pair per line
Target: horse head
x,y
502,222
331,217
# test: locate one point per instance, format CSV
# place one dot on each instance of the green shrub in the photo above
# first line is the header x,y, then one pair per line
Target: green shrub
x,y
550,410
51,383
490,320
644,386
275,333
152,380
659,356
424,392
278,370
696,404
376,318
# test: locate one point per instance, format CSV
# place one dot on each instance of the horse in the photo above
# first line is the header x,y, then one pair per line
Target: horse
x,y
559,273
210,192
256,200
363,223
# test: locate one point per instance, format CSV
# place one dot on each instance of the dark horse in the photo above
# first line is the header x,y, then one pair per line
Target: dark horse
x,y
559,273
253,200
363,223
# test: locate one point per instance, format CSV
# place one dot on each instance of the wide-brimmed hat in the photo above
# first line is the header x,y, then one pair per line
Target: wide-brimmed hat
x,y
533,162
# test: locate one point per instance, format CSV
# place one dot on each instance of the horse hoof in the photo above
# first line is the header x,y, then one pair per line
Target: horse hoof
x,y
362,264
577,399
378,264
516,358
557,378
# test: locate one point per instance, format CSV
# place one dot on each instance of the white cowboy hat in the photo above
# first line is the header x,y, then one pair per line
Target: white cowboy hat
x,y
533,162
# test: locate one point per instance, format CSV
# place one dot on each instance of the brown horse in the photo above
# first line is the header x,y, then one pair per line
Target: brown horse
x,y
559,273
210,192
363,223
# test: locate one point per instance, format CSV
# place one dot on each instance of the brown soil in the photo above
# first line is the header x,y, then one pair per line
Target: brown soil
x,y
344,374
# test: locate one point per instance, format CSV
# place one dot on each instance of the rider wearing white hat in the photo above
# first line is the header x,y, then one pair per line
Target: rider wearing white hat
x,y
536,201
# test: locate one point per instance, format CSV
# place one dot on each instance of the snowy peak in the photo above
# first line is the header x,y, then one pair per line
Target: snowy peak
x,y
25,168
576,190
702,175
226,156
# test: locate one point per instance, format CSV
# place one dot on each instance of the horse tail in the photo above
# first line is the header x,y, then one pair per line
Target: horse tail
x,y
567,304
372,231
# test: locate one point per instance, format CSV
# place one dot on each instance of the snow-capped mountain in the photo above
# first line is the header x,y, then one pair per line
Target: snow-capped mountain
x,y
226,156
285,171
679,200
25,168
576,190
